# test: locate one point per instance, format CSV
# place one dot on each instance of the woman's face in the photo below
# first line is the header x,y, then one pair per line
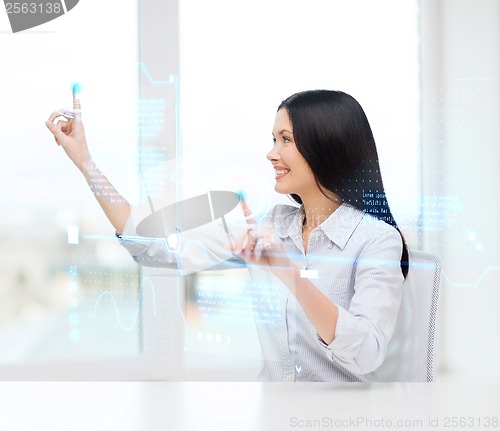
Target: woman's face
x,y
293,174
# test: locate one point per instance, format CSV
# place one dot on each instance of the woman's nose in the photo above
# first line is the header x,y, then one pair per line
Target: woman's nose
x,y
272,155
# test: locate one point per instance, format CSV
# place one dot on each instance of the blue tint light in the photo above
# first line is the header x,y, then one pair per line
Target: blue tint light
x,y
76,88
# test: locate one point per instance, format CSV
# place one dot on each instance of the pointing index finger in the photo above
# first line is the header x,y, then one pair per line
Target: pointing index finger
x,y
76,103
250,219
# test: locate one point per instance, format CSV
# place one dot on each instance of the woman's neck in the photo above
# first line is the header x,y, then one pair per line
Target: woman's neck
x,y
318,208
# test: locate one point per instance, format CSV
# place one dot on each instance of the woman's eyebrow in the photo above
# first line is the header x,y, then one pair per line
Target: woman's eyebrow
x,y
282,131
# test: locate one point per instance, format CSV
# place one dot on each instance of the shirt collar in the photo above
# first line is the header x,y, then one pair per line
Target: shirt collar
x,y
339,227
291,224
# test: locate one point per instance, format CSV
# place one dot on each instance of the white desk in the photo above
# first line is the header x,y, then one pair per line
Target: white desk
x,y
246,406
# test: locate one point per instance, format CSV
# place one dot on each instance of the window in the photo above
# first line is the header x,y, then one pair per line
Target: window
x,y
68,290
193,86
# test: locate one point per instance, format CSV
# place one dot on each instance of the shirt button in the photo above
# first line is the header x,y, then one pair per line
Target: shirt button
x,y
330,244
288,378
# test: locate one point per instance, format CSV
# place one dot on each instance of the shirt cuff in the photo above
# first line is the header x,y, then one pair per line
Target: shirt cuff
x,y
350,333
129,239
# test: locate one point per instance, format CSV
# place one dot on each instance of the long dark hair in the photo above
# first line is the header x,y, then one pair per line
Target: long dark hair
x,y
333,135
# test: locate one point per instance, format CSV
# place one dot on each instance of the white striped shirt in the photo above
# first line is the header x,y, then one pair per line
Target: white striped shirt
x,y
352,258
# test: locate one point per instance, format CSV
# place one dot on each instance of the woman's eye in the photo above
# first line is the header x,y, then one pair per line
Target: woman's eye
x,y
285,139
274,141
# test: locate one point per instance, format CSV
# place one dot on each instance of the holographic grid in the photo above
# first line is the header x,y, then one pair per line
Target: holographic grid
x,y
454,214
102,298
109,301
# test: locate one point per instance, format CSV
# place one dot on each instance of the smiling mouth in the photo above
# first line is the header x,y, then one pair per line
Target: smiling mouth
x,y
280,173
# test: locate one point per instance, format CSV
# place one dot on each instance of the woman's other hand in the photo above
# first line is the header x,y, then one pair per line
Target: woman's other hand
x,y
260,245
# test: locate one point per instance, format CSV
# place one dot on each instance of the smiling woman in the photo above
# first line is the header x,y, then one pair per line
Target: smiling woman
x,y
325,157
334,266
336,155
223,62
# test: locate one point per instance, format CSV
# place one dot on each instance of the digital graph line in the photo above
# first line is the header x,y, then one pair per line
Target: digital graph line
x,y
100,236
145,282
471,285
153,81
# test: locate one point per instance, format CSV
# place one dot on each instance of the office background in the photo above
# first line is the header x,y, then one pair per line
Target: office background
x,y
427,74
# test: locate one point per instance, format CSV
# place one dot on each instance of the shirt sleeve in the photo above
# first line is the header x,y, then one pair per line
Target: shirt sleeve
x,y
364,329
206,247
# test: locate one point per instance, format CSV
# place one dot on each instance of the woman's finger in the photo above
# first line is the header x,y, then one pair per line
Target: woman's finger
x,y
250,219
77,107
62,122
62,126
240,243
260,247
66,113
54,115
250,240
245,244
56,131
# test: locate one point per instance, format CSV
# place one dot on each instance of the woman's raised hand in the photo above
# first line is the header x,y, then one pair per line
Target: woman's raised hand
x,y
69,134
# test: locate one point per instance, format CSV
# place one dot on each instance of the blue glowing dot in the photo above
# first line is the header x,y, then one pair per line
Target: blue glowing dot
x,y
76,87
241,194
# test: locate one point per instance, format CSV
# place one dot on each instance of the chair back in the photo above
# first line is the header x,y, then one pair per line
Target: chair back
x,y
411,350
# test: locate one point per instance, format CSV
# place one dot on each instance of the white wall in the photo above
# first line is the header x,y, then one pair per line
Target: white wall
x,y
461,153
239,60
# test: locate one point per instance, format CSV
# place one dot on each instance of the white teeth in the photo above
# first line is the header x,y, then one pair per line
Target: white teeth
x,y
281,171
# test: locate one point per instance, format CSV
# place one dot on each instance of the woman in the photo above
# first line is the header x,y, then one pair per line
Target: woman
x,y
335,265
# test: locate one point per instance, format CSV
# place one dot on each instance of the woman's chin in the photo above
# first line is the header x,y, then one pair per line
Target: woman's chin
x,y
281,190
